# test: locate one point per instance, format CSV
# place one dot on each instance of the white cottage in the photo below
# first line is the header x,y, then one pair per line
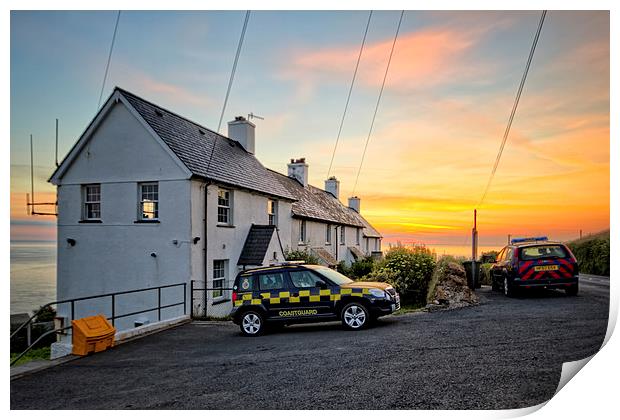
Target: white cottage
x,y
148,198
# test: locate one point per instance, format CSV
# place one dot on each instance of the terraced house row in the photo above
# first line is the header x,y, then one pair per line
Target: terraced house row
x,y
147,198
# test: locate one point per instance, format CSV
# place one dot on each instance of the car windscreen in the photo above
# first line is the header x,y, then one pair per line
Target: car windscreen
x,y
332,275
542,251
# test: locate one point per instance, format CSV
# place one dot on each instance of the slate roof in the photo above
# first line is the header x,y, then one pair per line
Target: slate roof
x,y
193,144
368,231
357,254
256,245
324,256
317,204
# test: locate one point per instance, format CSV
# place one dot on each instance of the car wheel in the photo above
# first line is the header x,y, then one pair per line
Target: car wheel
x,y
252,324
355,316
508,288
572,290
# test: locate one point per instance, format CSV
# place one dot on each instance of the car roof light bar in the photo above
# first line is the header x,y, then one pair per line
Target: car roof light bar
x,y
533,239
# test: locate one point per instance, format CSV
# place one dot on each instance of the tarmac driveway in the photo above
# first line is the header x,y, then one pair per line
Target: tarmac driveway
x,y
505,353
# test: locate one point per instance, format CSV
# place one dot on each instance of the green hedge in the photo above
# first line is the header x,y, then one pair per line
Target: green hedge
x,y
592,254
408,269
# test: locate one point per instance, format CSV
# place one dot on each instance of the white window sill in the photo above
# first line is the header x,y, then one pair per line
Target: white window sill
x,y
225,225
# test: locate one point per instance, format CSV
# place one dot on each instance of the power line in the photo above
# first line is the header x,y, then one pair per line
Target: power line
x,y
107,67
234,68
387,68
514,106
346,105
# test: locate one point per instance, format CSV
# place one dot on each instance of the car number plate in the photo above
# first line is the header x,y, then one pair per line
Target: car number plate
x,y
546,268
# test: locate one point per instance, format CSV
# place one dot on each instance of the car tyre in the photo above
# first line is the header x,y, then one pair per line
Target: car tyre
x,y
508,288
355,316
252,324
572,290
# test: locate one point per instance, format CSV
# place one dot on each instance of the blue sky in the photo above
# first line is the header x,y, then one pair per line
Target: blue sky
x,y
445,105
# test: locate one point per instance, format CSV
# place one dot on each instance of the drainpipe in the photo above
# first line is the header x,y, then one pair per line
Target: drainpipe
x,y
336,242
206,242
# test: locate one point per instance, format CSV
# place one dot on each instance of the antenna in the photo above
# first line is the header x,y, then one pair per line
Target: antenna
x,y
30,201
56,156
252,116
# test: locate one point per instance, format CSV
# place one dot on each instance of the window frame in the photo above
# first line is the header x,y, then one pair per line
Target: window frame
x,y
86,202
343,235
272,212
328,234
228,208
358,235
222,280
303,232
142,201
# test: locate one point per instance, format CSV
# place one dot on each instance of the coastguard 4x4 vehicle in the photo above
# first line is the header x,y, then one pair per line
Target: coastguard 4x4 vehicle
x,y
298,293
534,263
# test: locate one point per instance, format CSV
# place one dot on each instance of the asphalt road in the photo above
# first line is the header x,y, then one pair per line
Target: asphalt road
x,y
504,353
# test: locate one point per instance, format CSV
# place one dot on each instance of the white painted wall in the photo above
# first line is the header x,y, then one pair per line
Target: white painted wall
x,y
115,255
226,242
315,238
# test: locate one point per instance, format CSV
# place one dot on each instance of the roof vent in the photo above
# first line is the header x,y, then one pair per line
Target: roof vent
x,y
159,113
201,132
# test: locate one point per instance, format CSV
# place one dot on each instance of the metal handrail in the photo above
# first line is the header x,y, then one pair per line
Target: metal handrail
x,y
204,289
158,308
72,301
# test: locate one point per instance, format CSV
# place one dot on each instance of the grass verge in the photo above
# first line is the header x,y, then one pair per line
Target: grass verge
x,y
42,353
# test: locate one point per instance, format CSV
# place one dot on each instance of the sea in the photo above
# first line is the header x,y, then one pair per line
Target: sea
x,y
33,275
33,271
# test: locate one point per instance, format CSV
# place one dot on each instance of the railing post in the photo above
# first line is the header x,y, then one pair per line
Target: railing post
x,y
185,298
29,334
159,303
113,309
72,310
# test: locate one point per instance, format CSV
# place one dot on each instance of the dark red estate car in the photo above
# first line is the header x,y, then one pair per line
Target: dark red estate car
x,y
529,263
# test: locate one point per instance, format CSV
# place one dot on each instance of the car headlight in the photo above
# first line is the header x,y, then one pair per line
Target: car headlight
x,y
378,293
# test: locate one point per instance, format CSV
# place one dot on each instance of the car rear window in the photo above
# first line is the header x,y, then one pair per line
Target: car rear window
x,y
542,251
246,283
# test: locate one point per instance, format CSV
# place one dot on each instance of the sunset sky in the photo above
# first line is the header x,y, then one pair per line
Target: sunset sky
x,y
448,96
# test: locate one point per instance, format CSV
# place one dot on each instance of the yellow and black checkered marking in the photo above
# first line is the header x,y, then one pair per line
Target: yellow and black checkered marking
x,y
306,295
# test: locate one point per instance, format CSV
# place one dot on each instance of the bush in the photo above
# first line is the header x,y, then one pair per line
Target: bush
x,y
300,255
592,254
485,274
361,268
408,269
489,256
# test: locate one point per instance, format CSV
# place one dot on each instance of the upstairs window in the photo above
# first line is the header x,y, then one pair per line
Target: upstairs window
x,y
302,231
224,207
92,202
328,234
272,212
343,233
149,201
358,232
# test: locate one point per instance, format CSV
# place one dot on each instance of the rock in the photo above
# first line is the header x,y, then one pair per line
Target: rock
x,y
451,289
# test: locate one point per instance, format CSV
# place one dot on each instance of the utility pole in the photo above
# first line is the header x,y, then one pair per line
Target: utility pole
x,y
509,235
580,233
474,238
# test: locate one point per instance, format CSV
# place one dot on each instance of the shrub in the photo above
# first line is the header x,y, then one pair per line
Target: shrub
x,y
408,269
300,255
489,256
592,254
485,274
361,267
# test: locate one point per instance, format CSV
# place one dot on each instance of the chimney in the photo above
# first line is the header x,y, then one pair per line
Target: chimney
x,y
332,186
298,169
354,203
242,130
